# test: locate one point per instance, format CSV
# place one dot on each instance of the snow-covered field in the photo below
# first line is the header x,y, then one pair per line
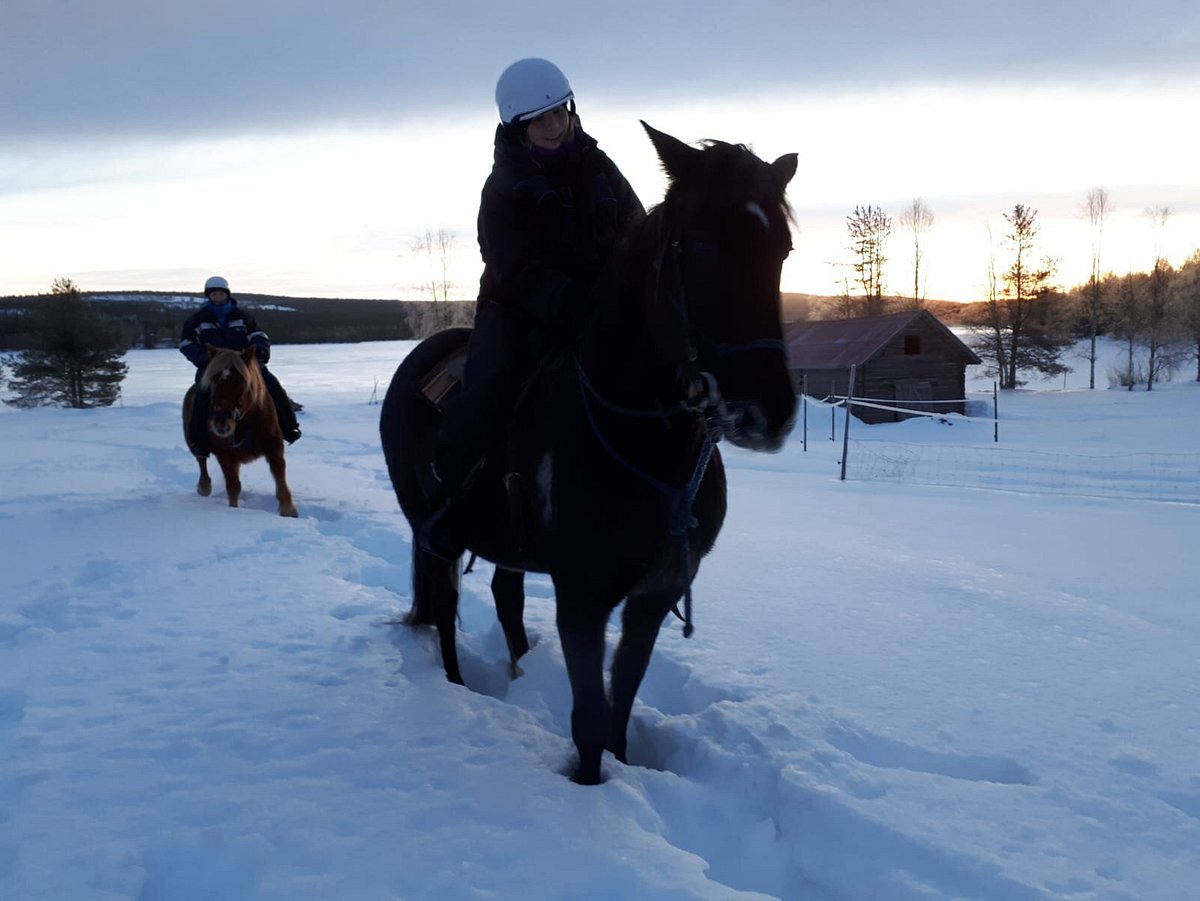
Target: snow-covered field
x,y
896,690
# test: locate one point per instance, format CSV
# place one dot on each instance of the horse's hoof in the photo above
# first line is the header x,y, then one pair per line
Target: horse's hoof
x,y
582,778
289,511
204,489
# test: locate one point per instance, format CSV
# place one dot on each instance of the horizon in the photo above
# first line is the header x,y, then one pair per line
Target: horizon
x,y
306,166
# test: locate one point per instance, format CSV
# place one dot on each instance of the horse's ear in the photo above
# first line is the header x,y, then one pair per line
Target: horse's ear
x,y
210,350
248,354
785,167
678,158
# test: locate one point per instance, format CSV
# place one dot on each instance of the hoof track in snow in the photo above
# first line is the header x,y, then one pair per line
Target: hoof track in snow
x,y
672,688
887,753
1185,802
12,708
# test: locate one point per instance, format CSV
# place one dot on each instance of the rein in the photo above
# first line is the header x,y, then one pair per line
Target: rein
x,y
682,498
703,405
679,303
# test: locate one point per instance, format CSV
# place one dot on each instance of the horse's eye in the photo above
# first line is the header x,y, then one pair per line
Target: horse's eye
x,y
757,212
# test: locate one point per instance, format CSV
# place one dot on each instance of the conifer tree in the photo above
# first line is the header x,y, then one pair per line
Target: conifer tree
x,y
75,360
1023,327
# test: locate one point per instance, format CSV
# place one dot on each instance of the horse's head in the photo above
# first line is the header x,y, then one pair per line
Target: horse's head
x,y
236,387
724,237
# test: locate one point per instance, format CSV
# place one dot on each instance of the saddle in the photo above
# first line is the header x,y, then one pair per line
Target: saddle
x,y
436,388
443,378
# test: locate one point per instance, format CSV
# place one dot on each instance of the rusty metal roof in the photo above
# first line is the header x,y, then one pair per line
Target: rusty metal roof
x,y
840,343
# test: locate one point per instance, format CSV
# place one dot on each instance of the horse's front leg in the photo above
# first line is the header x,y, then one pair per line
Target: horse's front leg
x,y
581,620
283,494
204,485
640,625
231,470
508,591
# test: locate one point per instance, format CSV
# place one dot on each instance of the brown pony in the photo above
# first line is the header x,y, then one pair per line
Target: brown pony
x,y
242,425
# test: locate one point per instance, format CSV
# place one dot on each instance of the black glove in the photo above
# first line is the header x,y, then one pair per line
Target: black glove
x,y
263,354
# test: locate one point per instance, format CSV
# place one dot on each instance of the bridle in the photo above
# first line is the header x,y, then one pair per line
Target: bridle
x,y
702,403
236,413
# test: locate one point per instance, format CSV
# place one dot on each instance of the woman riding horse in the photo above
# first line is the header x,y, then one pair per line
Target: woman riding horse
x,y
610,481
552,209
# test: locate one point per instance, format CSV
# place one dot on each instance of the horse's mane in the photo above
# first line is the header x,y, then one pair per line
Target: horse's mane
x,y
225,360
725,175
720,179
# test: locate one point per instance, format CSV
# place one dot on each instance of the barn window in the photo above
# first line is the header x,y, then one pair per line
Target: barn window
x,y
912,344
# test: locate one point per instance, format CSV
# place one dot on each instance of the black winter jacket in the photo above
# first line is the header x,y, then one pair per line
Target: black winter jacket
x,y
547,223
227,327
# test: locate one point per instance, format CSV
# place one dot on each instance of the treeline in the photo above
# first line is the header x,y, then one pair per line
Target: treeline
x,y
155,319
1028,320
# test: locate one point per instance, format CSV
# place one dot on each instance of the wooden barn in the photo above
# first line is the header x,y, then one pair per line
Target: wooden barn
x,y
902,359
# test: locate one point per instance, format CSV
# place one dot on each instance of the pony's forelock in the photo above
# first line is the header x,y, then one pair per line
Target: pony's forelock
x,y
225,360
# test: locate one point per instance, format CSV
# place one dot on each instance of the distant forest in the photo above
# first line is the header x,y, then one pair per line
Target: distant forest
x,y
155,319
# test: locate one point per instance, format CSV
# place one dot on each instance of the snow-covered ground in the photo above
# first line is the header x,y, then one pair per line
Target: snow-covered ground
x,y
896,689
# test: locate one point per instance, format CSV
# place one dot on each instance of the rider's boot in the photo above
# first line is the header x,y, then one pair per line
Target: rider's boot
x,y
288,424
198,425
438,534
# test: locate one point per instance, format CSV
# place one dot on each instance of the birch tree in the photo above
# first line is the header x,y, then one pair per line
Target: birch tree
x,y
917,218
1096,207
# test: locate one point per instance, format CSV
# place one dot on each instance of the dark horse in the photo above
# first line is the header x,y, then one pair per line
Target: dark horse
x,y
242,425
609,479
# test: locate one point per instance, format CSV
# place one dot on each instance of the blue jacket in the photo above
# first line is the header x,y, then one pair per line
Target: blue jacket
x,y
225,326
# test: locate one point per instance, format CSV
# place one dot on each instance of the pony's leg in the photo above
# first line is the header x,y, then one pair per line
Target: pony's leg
x,y
204,485
231,470
581,621
508,590
435,602
640,626
283,494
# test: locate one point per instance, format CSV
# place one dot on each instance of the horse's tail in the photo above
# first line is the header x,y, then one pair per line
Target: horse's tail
x,y
408,423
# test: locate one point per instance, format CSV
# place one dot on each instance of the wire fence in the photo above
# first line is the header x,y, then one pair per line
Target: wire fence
x,y
1171,478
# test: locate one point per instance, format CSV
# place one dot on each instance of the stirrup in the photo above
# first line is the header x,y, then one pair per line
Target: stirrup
x,y
434,539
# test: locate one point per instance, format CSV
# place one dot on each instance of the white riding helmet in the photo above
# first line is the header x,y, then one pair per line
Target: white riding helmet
x,y
215,283
530,87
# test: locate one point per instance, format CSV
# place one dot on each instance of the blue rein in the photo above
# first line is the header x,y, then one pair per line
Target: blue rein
x,y
707,410
682,498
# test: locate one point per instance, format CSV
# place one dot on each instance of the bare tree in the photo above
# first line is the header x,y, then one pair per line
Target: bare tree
x,y
845,306
1188,286
1096,207
436,248
918,219
992,321
1160,328
869,228
1127,306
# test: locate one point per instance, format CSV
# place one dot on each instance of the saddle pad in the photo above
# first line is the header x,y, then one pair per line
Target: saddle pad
x,y
443,377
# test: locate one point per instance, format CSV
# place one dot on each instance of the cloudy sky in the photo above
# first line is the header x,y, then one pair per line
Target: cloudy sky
x,y
297,147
